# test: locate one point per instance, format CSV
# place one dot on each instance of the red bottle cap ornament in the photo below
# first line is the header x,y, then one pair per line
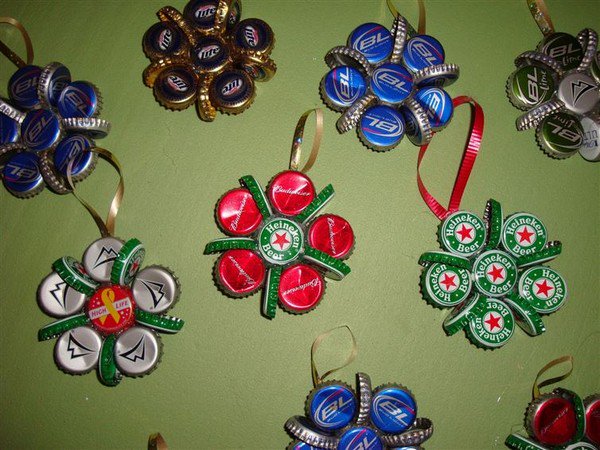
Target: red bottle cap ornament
x,y
237,213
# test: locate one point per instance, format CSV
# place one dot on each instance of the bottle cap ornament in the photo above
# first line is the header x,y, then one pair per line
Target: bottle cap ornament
x,y
48,121
109,309
558,86
559,419
278,242
207,56
340,417
388,84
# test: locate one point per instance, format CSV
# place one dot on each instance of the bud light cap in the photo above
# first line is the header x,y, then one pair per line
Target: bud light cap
x,y
210,54
232,91
438,106
530,86
290,192
176,87
80,99
391,83
358,438
301,288
75,147
439,76
254,37
331,234
21,175
381,128
372,40
53,79
393,408
23,87
41,130
341,87
332,405
346,56
9,130
417,124
423,51
299,445
564,48
163,39
237,213
239,273
560,135
201,14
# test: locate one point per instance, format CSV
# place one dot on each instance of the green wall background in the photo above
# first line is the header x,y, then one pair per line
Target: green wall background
x,y
230,379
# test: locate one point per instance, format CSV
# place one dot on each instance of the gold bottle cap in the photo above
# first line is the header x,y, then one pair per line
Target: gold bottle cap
x,y
164,39
254,38
176,87
232,91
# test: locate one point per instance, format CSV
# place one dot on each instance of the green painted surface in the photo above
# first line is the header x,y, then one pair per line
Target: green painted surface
x,y
231,378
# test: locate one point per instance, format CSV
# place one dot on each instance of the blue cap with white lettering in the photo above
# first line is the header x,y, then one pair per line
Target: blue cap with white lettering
x,y
393,409
381,128
22,176
360,438
210,54
79,99
342,86
75,147
9,130
422,51
392,83
372,40
438,106
23,87
40,130
332,406
201,13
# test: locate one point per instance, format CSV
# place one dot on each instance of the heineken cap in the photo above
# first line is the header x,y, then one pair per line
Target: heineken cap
x,y
341,87
527,318
107,369
76,148
21,175
493,326
495,273
445,286
392,83
57,298
23,87
210,54
518,442
381,128
551,419
77,351
393,409
590,148
460,316
128,262
41,129
290,192
71,271
232,91
530,86
332,405
111,309
155,289
462,233
9,130
422,51
53,79
237,213
438,106
564,48
300,288
592,418
163,39
137,351
240,272
544,288
374,41
523,234
281,241
579,92
331,234
99,257
357,438
176,87
80,99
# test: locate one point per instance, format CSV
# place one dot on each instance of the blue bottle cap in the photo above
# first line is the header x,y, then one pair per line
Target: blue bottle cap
x,y
23,87
40,130
9,130
422,51
342,86
413,131
393,409
201,13
210,54
381,127
79,99
332,406
360,438
232,91
298,445
372,40
437,104
162,39
22,176
255,35
53,80
392,83
75,147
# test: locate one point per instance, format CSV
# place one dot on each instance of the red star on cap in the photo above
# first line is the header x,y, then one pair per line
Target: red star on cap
x,y
543,288
525,235
493,322
495,273
280,240
465,233
448,281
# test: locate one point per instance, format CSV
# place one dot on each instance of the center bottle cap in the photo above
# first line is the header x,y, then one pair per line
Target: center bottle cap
x,y
332,406
495,273
358,438
23,87
523,234
462,233
372,40
300,288
331,234
111,309
381,128
41,130
422,51
237,212
393,409
342,86
280,241
391,83
290,192
240,272
210,54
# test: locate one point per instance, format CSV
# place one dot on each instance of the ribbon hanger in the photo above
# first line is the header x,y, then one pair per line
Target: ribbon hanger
x,y
422,17
539,12
298,139
11,55
318,379
536,386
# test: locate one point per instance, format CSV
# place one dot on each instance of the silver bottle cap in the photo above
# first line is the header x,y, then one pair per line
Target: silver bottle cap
x,y
155,289
77,351
579,92
99,257
10,111
137,351
590,148
94,127
56,298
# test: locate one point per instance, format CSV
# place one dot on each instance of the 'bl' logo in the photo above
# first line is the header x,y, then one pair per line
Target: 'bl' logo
x,y
77,147
329,410
365,444
397,413
23,85
423,49
434,105
19,173
372,40
33,133
79,100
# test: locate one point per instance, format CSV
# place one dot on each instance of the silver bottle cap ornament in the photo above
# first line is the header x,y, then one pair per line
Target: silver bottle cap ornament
x,y
137,351
155,289
99,257
77,351
579,92
56,298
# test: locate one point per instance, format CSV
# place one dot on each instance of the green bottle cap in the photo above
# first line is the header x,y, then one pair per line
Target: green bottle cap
x,y
560,135
530,86
73,273
271,292
57,328
460,316
160,322
494,219
564,48
543,288
527,318
462,233
552,250
428,258
109,374
334,268
223,244
128,262
445,286
518,442
495,273
317,204
523,233
258,195
493,326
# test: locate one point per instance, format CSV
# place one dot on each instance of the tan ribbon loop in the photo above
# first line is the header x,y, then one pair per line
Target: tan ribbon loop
x,y
16,59
554,362
318,379
422,16
299,136
106,228
540,14
157,442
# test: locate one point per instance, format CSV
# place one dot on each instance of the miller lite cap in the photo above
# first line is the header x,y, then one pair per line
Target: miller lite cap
x,y
93,127
77,351
564,48
445,286
237,213
518,442
381,128
551,419
592,418
206,110
234,12
210,54
350,118
239,272
262,71
590,148
579,92
232,91
462,233
155,289
107,369
439,76
495,273
422,51
523,234
202,14
53,79
73,273
355,438
332,405
392,83
393,408
176,87
128,262
254,38
163,39
365,396
23,87
346,56
99,257
21,175
300,289
41,130
416,121
75,147
302,428
461,315
331,234
57,299
543,288
372,40
341,87
80,99
137,351
525,315
560,135
438,106
290,192
493,326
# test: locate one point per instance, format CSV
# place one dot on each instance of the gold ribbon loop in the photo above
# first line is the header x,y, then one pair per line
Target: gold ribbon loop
x,y
422,15
539,12
318,379
554,362
299,136
16,59
106,228
157,442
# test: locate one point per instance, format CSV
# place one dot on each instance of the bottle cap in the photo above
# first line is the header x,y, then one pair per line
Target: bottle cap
x,y
462,233
71,271
99,257
9,129
551,251
290,192
560,135
57,328
331,234
518,442
525,315
534,116
372,40
41,129
346,56
410,440
280,241
204,107
350,118
202,14
57,299
21,175
422,51
262,71
544,288
462,314
393,409
445,286
137,351
300,289
298,445
358,438
333,268
341,87
107,369
381,128
494,220
111,309
23,87
532,58
128,262
493,326
237,213
210,54
592,418
523,234
76,148
564,48
365,397
232,91
428,258
93,127
438,106
590,148
392,83
302,428
155,289
240,272
399,33
80,99
417,124
176,87
495,273
579,92
254,38
163,39
440,75
331,405
53,79
77,351
595,67
551,419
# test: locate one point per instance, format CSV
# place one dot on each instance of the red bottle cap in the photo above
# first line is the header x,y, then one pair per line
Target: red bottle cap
x,y
237,213
112,309
290,192
592,419
300,288
554,421
240,272
331,234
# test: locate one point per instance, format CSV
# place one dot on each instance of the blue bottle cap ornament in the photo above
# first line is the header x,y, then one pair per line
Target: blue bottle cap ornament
x,y
392,83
